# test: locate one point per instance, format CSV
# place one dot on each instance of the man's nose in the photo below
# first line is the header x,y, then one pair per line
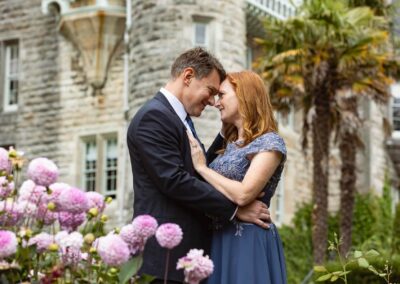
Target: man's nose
x,y
211,101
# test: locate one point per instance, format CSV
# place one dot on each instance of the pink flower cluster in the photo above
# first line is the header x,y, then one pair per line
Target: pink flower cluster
x,y
112,250
10,213
5,163
196,266
6,187
43,171
42,241
73,200
169,235
137,233
70,247
8,244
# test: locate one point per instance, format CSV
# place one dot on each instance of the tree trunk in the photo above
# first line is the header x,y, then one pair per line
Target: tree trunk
x,y
321,130
348,151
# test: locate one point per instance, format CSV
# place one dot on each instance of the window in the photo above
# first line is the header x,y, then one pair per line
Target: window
x,y
110,167
396,110
200,34
100,165
90,166
10,80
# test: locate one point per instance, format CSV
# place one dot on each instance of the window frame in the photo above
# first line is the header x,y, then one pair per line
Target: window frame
x,y
6,47
101,162
395,91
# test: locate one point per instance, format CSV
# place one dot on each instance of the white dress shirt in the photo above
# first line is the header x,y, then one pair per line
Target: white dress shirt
x,y
177,106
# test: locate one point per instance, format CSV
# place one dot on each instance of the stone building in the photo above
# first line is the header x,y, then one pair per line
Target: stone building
x,y
54,101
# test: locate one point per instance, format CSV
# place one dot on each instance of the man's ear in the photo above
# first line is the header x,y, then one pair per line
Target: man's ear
x,y
188,74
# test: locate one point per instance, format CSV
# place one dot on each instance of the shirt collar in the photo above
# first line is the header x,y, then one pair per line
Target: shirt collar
x,y
175,103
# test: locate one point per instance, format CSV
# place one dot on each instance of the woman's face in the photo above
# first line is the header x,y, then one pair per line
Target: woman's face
x,y
228,103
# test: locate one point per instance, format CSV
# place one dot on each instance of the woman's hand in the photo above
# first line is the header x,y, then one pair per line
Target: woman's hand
x,y
198,158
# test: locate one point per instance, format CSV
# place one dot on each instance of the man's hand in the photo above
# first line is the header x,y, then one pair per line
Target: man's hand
x,y
256,212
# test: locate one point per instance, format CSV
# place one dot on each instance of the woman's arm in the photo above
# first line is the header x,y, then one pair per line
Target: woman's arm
x,y
262,167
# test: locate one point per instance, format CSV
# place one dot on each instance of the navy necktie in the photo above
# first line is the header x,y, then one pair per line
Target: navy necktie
x,y
191,125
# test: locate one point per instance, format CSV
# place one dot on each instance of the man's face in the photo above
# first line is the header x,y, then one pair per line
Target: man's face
x,y
200,93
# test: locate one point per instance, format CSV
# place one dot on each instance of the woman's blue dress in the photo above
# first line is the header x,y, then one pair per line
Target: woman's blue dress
x,y
244,253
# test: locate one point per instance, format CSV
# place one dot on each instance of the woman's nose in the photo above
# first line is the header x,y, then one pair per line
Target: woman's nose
x,y
218,104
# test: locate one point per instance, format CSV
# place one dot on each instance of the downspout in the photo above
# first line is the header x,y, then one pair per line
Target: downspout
x,y
128,24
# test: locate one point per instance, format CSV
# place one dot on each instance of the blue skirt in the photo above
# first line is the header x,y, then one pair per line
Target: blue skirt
x,y
244,253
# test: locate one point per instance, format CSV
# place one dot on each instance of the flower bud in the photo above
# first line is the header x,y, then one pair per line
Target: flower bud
x,y
92,250
53,247
51,206
89,238
113,271
93,212
117,230
104,218
12,153
108,200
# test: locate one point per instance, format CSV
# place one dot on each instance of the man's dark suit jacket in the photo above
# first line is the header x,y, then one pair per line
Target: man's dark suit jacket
x,y
166,186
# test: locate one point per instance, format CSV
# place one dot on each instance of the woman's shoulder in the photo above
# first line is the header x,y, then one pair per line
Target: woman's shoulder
x,y
269,141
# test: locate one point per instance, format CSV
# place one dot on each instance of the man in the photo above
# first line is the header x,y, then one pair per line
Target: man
x,y
165,183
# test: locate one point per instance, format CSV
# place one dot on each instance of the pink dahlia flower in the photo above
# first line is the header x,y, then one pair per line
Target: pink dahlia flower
x,y
56,189
145,226
71,255
8,244
10,213
45,215
31,192
169,235
43,171
73,200
59,236
96,200
72,240
6,187
132,238
196,266
5,163
113,250
42,241
70,221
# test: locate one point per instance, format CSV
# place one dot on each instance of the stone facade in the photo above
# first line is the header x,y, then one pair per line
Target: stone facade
x,y
57,110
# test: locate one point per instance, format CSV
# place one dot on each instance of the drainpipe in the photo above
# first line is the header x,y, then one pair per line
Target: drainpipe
x,y
124,155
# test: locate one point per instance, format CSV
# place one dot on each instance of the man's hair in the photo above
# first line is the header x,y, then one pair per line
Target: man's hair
x,y
202,62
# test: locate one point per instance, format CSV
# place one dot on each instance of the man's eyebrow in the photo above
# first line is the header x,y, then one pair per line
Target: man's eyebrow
x,y
213,89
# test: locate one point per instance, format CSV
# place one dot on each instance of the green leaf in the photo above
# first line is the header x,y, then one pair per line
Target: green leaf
x,y
362,262
145,279
129,269
342,273
357,254
334,278
324,277
372,253
319,268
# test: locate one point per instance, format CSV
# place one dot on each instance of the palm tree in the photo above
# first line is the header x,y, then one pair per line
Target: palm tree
x,y
310,61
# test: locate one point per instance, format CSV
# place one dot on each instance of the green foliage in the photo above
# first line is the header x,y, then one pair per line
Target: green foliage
x,y
344,266
297,244
373,229
362,275
396,232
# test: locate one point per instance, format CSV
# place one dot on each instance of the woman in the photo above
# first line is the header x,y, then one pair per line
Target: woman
x,y
249,165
